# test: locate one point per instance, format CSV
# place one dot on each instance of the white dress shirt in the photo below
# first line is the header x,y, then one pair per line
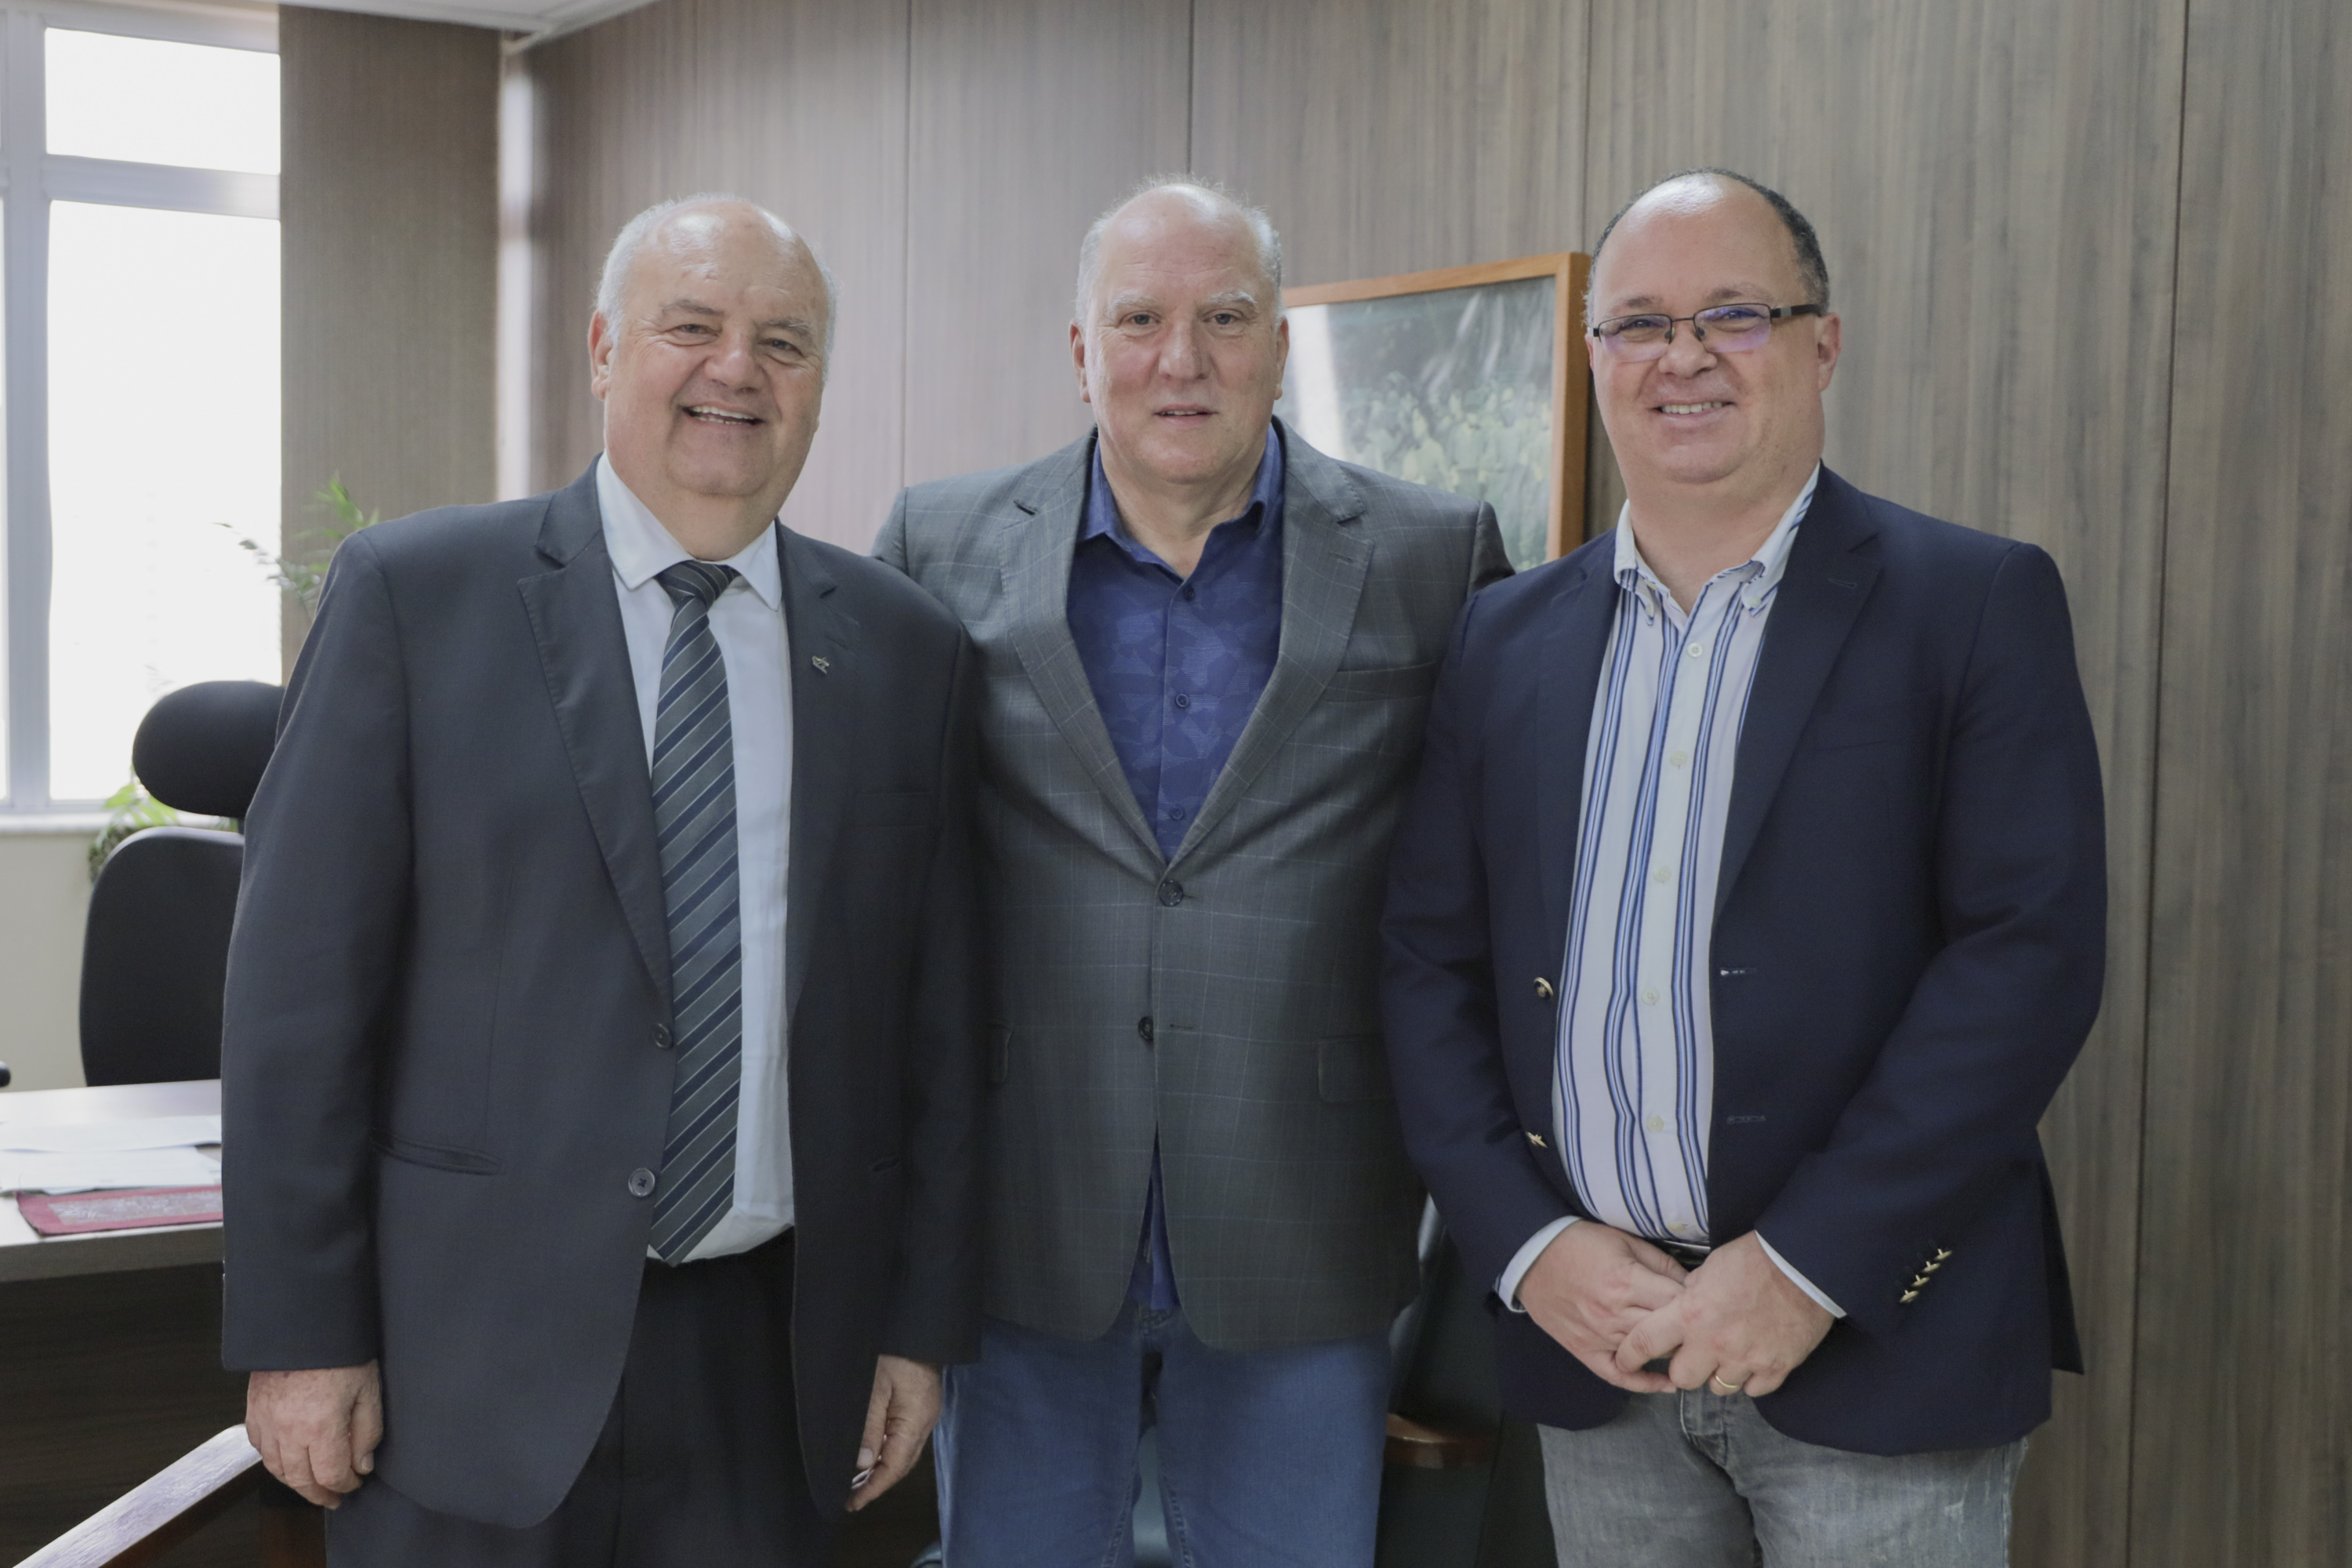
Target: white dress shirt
x,y
748,620
1633,1088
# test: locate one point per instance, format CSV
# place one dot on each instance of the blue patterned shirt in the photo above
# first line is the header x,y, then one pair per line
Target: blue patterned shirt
x,y
1177,665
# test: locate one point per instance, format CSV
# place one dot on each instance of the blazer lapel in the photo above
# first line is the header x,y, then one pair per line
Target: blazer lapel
x,y
583,652
1820,594
1575,644
821,639
1323,567
1038,548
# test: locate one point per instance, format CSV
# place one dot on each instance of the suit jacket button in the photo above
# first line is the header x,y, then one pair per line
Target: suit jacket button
x,y
1543,988
1909,1297
661,1037
641,1183
1171,892
1143,1028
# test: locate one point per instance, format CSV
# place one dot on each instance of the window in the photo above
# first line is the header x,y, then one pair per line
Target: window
x,y
140,276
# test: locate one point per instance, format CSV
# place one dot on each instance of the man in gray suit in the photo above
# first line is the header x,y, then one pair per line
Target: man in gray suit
x,y
601,1049
1206,651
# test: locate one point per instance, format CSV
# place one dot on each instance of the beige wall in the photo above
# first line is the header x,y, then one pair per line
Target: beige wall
x,y
44,900
2082,253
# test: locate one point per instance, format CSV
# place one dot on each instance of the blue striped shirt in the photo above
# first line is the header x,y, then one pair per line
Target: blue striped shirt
x,y
1633,1081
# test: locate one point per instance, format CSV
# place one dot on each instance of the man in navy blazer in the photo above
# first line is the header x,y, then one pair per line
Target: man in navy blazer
x,y
1749,911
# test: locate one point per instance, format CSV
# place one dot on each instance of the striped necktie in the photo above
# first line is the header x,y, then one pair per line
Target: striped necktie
x,y
694,826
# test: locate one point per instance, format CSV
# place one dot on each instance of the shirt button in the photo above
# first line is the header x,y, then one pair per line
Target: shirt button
x,y
1649,997
1660,876
641,1183
1175,814
1188,590
1680,759
1696,650
1183,700
1171,892
1658,1124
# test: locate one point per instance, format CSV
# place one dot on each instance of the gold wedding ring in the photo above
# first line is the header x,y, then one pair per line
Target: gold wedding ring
x,y
1727,1388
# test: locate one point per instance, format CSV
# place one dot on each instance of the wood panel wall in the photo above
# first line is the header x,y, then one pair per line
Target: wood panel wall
x,y
2242,1439
388,233
2081,252
799,105
1030,118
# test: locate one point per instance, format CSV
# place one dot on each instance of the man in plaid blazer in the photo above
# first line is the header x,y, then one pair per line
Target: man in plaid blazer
x,y
1206,652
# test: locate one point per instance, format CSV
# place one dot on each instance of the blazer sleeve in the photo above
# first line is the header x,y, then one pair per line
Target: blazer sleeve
x,y
936,1315
320,910
1437,993
890,544
1993,1024
1489,561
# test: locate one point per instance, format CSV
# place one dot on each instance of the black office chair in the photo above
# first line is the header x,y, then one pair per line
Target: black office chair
x,y
156,947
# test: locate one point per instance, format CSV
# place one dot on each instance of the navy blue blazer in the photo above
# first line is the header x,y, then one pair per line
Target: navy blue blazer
x,y
1908,950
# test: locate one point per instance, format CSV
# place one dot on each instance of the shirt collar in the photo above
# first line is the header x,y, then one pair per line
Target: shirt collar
x,y
1762,570
1102,508
640,546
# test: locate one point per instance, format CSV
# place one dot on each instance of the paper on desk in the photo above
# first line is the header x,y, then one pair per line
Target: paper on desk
x,y
106,1137
86,1171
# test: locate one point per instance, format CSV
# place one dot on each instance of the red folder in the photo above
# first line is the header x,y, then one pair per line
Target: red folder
x,y
71,1214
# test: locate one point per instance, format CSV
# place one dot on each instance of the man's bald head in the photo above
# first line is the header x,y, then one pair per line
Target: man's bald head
x,y
1172,200
1695,187
675,224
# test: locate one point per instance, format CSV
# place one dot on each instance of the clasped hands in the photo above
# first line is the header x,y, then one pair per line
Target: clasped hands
x,y
1616,1303
317,1430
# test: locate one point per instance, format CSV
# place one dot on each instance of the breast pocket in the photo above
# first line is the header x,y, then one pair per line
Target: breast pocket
x,y
1379,685
1879,724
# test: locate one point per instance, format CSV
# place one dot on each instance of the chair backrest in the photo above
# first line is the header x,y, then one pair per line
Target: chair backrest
x,y
202,748
155,954
155,951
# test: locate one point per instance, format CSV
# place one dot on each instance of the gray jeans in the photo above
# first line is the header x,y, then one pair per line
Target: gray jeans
x,y
1700,1480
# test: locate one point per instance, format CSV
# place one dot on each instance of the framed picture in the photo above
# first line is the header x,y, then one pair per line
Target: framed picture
x,y
1468,379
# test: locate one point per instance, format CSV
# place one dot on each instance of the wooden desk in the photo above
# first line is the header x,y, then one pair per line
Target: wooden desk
x,y
26,1254
110,1349
104,1382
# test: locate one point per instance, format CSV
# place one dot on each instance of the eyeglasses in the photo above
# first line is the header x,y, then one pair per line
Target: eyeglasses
x,y
1725,329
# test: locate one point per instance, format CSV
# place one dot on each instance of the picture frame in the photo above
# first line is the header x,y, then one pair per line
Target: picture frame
x,y
1463,378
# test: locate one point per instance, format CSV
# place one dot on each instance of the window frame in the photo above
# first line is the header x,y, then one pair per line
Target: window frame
x,y
30,179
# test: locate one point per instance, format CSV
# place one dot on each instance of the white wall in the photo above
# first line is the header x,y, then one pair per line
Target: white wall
x,y
44,898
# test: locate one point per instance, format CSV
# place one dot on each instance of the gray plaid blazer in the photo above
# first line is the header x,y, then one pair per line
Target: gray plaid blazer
x,y
1226,1000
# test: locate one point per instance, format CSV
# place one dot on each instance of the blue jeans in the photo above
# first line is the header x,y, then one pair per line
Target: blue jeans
x,y
1267,1458
1702,1480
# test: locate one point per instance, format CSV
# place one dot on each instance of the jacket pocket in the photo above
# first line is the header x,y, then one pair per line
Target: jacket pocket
x,y
1884,724
1351,1068
1373,685
435,1156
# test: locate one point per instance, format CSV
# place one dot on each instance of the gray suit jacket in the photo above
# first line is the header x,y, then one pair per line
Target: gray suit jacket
x,y
1227,1000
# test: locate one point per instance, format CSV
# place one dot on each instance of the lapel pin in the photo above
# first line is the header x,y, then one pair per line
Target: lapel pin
x,y
823,664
